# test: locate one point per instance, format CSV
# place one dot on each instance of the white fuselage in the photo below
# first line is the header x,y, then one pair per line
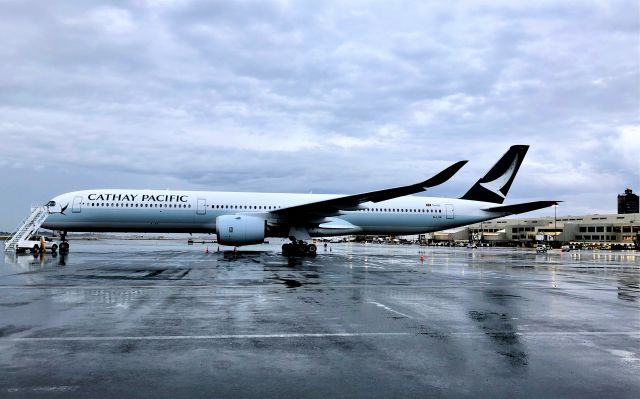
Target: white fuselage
x,y
196,211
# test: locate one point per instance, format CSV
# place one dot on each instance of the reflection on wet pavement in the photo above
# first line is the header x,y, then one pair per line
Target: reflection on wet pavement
x,y
114,318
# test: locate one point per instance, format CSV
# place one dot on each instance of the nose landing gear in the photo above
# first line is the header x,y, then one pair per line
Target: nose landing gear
x,y
299,248
64,245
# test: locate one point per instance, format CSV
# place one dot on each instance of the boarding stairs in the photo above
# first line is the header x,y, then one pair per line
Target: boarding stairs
x,y
29,227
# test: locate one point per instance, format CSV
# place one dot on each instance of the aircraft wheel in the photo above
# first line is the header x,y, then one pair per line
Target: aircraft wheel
x,y
286,249
54,247
64,246
301,248
312,249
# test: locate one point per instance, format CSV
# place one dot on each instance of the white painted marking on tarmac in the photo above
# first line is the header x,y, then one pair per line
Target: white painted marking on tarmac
x,y
389,309
57,388
309,335
209,337
313,287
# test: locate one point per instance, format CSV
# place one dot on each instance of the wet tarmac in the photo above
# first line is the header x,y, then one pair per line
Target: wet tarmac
x,y
149,319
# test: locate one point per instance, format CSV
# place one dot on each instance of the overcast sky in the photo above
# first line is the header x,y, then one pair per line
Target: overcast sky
x,y
329,97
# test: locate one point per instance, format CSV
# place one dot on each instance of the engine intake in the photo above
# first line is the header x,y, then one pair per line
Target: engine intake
x,y
239,230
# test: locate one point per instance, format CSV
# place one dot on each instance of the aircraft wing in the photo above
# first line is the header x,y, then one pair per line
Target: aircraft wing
x,y
332,207
522,207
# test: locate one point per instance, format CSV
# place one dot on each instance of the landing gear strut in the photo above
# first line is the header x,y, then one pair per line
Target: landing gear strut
x,y
64,245
299,248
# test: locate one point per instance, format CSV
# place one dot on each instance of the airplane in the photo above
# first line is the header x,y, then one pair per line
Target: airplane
x,y
246,218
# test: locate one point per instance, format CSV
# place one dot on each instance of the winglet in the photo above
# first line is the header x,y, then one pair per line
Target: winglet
x,y
443,176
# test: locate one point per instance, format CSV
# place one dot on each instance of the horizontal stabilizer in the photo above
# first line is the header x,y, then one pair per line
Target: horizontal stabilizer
x,y
521,208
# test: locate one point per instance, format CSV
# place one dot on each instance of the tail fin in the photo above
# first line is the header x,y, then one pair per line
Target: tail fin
x,y
494,186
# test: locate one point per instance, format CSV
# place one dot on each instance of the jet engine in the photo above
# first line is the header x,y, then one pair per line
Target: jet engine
x,y
239,230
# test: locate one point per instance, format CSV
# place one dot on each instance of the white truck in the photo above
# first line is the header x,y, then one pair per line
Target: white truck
x,y
37,244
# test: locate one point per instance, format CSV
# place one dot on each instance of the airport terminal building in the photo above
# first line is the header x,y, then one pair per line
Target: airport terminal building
x,y
621,229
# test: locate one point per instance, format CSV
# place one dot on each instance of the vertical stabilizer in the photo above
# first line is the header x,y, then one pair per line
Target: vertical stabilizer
x,y
494,186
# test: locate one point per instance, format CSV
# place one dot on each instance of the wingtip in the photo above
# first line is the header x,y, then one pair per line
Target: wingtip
x,y
444,175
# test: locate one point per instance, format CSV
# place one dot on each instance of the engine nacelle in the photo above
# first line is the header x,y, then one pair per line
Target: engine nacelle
x,y
239,230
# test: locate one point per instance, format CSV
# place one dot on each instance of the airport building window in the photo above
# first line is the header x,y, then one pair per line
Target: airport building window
x,y
591,229
600,229
578,237
608,229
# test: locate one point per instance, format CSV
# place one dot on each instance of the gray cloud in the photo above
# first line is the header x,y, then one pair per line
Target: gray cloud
x,y
322,96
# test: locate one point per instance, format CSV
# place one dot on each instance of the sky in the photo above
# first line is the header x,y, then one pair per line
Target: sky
x,y
318,96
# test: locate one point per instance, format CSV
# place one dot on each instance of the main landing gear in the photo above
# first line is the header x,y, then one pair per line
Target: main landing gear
x,y
64,245
299,248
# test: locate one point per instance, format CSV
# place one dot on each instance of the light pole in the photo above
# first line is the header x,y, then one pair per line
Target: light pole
x,y
555,223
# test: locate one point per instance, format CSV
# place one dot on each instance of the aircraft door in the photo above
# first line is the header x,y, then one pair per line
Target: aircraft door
x,y
77,205
202,207
449,210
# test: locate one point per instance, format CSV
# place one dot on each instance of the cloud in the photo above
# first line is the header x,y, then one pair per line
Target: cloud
x,y
324,96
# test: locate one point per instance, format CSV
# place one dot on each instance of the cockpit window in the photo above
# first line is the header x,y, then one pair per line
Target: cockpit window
x,y
51,203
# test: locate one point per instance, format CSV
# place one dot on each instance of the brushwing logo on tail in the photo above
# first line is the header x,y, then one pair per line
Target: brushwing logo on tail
x,y
495,185
498,184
